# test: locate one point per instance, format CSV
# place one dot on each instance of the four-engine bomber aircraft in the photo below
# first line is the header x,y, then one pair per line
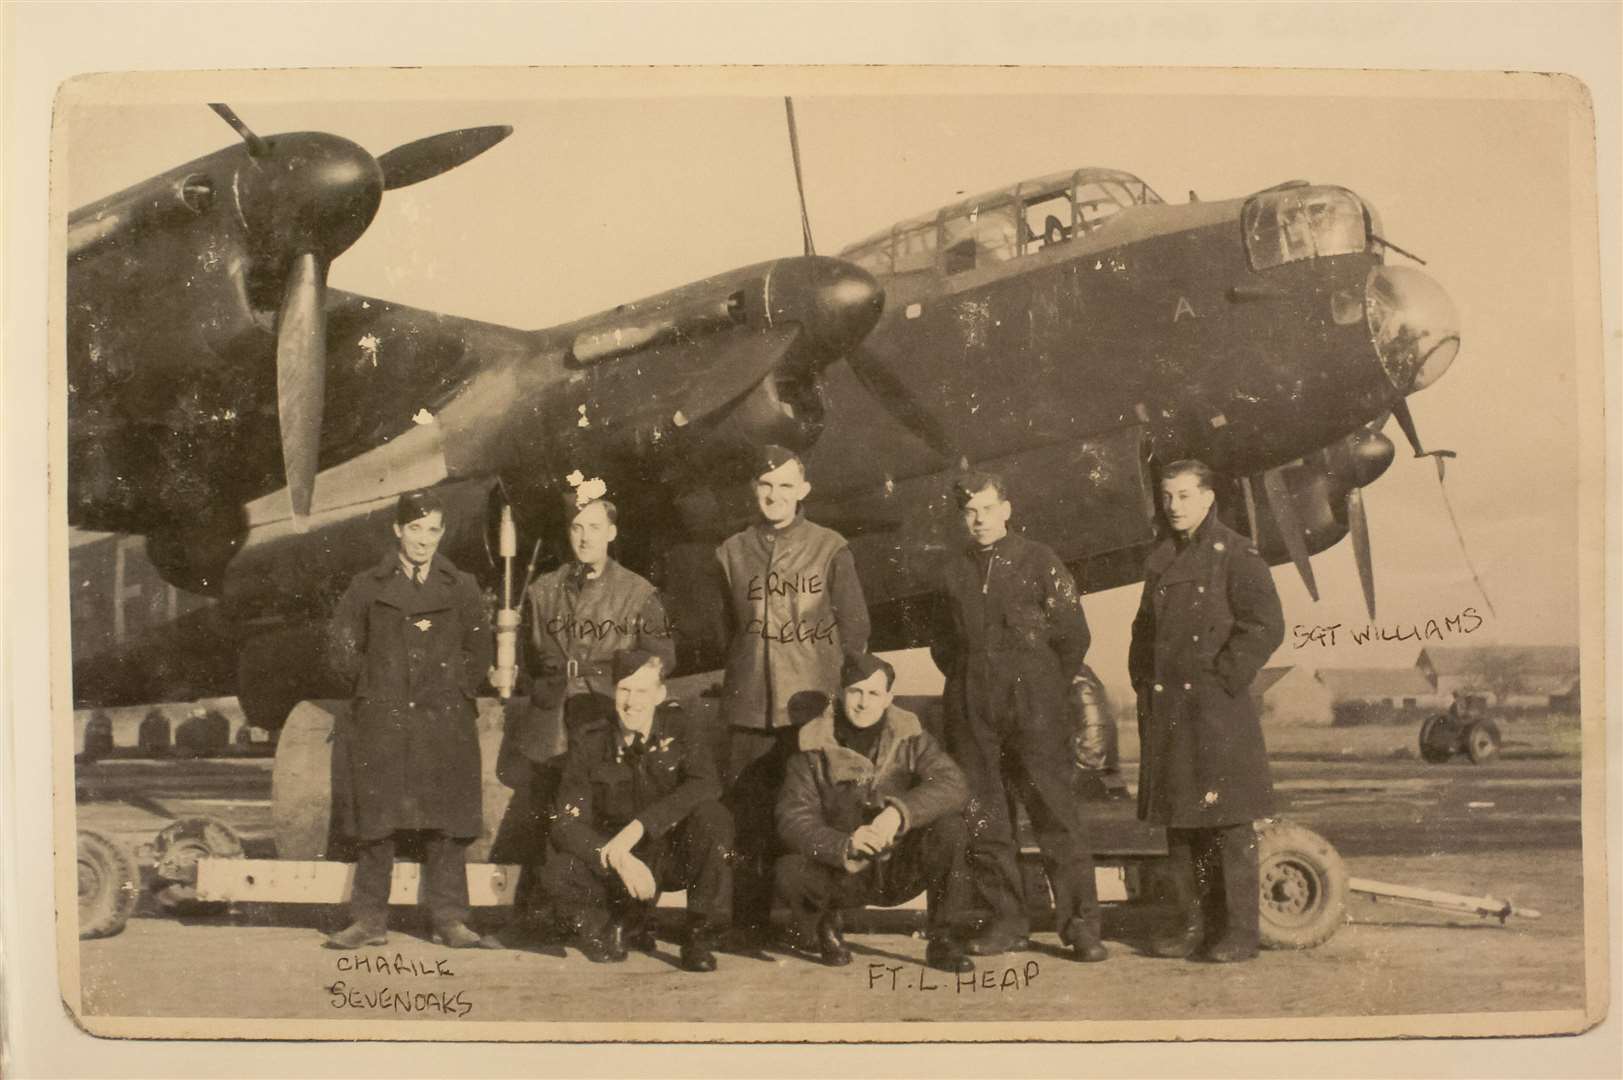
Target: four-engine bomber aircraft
x,y
1070,332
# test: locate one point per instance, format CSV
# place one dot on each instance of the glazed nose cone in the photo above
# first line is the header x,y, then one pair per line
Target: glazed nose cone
x,y
1413,325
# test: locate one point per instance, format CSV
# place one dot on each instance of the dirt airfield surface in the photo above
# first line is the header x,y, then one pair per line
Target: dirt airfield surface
x,y
1509,829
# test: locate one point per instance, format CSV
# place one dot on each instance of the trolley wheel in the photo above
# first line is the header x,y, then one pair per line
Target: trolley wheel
x,y
109,886
176,850
1304,886
1482,741
1436,739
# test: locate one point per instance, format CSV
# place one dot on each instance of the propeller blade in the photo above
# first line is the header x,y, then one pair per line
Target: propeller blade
x,y
256,145
901,403
1250,509
1400,409
800,185
1290,527
423,159
301,375
1358,526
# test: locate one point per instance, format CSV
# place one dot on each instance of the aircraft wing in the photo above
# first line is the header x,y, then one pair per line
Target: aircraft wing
x,y
174,419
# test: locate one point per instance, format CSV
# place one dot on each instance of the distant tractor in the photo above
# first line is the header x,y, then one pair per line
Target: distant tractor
x,y
1465,729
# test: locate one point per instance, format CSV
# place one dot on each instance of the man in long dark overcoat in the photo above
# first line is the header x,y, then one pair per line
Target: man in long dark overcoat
x,y
412,635
1012,639
1208,621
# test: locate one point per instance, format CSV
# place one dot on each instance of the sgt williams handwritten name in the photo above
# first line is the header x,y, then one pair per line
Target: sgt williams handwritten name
x,y
1466,622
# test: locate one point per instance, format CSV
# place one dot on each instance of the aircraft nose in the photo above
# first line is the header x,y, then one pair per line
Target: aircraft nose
x,y
1413,325
835,302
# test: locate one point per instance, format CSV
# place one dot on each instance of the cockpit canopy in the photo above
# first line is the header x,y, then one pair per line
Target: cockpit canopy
x,y
1004,224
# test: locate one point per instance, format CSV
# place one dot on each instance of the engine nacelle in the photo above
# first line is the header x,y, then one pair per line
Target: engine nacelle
x,y
786,409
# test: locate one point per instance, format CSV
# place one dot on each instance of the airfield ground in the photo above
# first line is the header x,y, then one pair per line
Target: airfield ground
x,y
1509,829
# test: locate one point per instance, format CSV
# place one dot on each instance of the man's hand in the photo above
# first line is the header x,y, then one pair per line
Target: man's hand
x,y
621,843
853,862
877,835
635,875
886,825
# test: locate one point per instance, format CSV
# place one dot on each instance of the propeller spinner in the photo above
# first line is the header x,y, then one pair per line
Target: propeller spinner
x,y
304,198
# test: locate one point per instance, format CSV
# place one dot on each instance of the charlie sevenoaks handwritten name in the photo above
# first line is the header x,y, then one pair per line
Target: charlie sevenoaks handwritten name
x,y
402,1000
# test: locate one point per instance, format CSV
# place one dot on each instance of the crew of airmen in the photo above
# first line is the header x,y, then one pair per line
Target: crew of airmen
x,y
829,796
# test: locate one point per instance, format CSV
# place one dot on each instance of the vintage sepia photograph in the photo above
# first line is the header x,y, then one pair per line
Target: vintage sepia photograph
x,y
810,555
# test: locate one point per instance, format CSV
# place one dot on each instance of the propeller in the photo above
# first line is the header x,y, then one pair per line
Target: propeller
x,y
256,145
1340,471
1358,529
800,184
901,403
304,198
426,158
883,384
1290,527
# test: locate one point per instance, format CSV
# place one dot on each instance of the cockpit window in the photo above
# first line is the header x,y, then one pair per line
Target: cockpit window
x,y
915,248
1000,225
874,258
979,236
1101,199
1048,219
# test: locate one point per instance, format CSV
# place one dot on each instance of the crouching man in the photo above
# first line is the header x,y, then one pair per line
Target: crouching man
x,y
871,812
638,811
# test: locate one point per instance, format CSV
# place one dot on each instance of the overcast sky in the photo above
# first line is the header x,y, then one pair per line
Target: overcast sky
x,y
592,203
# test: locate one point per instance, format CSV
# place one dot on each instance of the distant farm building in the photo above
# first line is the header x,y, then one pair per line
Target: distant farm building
x,y
1380,695
1514,676
1291,696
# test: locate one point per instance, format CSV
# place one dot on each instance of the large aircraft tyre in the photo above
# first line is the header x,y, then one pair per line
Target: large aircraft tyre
x,y
1437,739
1304,886
109,886
175,852
1482,741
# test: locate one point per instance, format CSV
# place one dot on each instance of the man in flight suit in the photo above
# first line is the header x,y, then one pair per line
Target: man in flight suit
x,y
411,635
1208,621
794,610
1012,639
637,811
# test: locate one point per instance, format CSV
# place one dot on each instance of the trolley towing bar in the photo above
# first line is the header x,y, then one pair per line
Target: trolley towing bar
x,y
1484,906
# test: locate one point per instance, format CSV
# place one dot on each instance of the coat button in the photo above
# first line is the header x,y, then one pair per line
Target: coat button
x,y
1159,688
1188,686
1197,637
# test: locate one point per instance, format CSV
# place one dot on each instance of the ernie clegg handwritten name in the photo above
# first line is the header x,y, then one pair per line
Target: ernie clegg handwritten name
x,y
402,1000
792,586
